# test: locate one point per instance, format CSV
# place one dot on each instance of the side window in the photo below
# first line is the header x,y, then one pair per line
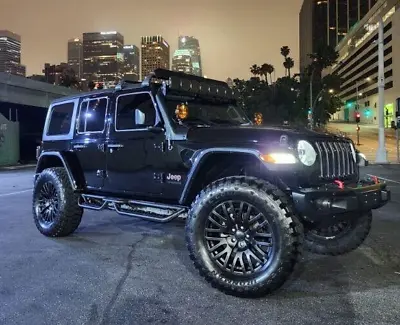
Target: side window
x,y
92,115
60,119
134,111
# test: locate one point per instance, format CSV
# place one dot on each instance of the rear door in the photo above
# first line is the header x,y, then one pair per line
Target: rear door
x,y
89,142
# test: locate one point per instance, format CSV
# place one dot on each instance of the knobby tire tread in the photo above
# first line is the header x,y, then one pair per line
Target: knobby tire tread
x,y
294,235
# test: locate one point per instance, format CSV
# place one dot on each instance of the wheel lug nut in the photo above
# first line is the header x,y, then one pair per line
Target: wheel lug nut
x,y
233,229
233,239
247,236
241,227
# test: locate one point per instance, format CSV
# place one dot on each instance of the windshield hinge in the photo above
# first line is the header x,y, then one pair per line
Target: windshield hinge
x,y
170,147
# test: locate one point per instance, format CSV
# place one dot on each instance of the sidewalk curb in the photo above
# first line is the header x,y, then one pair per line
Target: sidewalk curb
x,y
16,167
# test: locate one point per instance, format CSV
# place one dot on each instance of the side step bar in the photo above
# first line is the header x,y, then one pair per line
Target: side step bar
x,y
132,208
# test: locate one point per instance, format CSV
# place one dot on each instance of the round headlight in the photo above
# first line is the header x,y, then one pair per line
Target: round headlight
x,y
306,152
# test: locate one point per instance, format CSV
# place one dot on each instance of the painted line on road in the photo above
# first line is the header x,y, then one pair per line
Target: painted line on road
x,y
385,179
15,193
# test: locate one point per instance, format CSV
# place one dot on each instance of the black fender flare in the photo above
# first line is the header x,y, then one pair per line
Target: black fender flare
x,y
73,178
200,156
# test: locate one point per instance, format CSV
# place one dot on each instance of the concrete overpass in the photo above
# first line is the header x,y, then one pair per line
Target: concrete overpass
x,y
24,91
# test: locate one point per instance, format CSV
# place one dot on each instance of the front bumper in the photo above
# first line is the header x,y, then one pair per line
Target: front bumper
x,y
330,204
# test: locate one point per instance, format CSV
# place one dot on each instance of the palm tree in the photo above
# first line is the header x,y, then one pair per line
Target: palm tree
x,y
285,51
267,69
255,70
288,64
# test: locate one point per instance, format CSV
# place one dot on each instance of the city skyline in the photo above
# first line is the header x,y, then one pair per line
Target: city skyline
x,y
223,30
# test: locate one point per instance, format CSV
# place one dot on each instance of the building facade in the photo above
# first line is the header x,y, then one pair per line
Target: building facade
x,y
327,22
10,54
155,53
103,57
52,73
131,62
182,61
75,56
192,44
358,65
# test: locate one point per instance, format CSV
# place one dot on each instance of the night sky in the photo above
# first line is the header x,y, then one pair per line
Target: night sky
x,y
233,34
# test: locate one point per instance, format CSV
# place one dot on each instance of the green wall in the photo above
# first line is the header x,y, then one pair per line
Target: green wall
x,y
9,142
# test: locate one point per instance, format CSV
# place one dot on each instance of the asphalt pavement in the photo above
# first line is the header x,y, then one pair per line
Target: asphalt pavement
x,y
120,270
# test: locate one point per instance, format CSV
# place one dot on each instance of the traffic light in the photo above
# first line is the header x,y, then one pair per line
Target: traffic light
x,y
357,117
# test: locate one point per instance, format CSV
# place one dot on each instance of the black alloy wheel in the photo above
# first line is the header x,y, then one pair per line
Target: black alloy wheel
x,y
340,238
243,237
55,208
239,238
47,205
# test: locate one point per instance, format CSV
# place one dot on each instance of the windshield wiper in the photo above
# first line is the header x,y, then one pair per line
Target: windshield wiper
x,y
221,121
197,120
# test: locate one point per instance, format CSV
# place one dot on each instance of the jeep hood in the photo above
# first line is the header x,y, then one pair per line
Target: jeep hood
x,y
250,134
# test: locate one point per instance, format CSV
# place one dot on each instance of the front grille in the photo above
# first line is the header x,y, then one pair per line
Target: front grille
x,y
335,160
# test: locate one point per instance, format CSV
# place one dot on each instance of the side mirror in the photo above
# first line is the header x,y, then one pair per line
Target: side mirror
x,y
139,117
362,160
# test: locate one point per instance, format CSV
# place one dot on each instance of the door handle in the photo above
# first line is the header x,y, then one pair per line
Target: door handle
x,y
115,146
80,146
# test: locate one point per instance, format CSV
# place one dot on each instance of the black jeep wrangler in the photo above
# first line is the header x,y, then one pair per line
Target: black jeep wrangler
x,y
177,145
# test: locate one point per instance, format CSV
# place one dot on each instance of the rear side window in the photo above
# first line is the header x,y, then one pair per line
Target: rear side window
x,y
60,119
92,115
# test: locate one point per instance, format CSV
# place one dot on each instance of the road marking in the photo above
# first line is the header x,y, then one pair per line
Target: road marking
x,y
15,193
385,179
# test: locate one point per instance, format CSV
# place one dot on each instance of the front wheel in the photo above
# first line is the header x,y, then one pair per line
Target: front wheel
x,y
341,238
55,205
243,237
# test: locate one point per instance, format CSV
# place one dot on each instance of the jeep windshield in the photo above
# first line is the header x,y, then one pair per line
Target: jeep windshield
x,y
206,112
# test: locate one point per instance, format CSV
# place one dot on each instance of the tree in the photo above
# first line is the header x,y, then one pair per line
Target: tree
x,y
267,69
288,64
287,98
285,51
255,70
324,56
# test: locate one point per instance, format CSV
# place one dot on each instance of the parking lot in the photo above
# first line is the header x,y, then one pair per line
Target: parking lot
x,y
120,270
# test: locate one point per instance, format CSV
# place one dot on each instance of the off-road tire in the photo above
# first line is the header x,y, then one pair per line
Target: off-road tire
x,y
277,209
69,215
343,243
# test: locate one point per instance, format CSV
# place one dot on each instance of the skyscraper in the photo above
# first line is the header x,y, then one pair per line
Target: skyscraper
x,y
192,44
327,22
103,57
155,54
131,62
10,53
75,56
182,61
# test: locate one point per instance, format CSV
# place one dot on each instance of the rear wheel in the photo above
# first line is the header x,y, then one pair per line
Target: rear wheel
x,y
55,205
243,237
341,238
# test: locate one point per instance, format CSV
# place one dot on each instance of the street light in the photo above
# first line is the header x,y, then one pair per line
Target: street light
x,y
381,153
331,91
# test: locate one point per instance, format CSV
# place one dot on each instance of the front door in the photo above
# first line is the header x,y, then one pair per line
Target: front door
x,y
89,141
136,148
